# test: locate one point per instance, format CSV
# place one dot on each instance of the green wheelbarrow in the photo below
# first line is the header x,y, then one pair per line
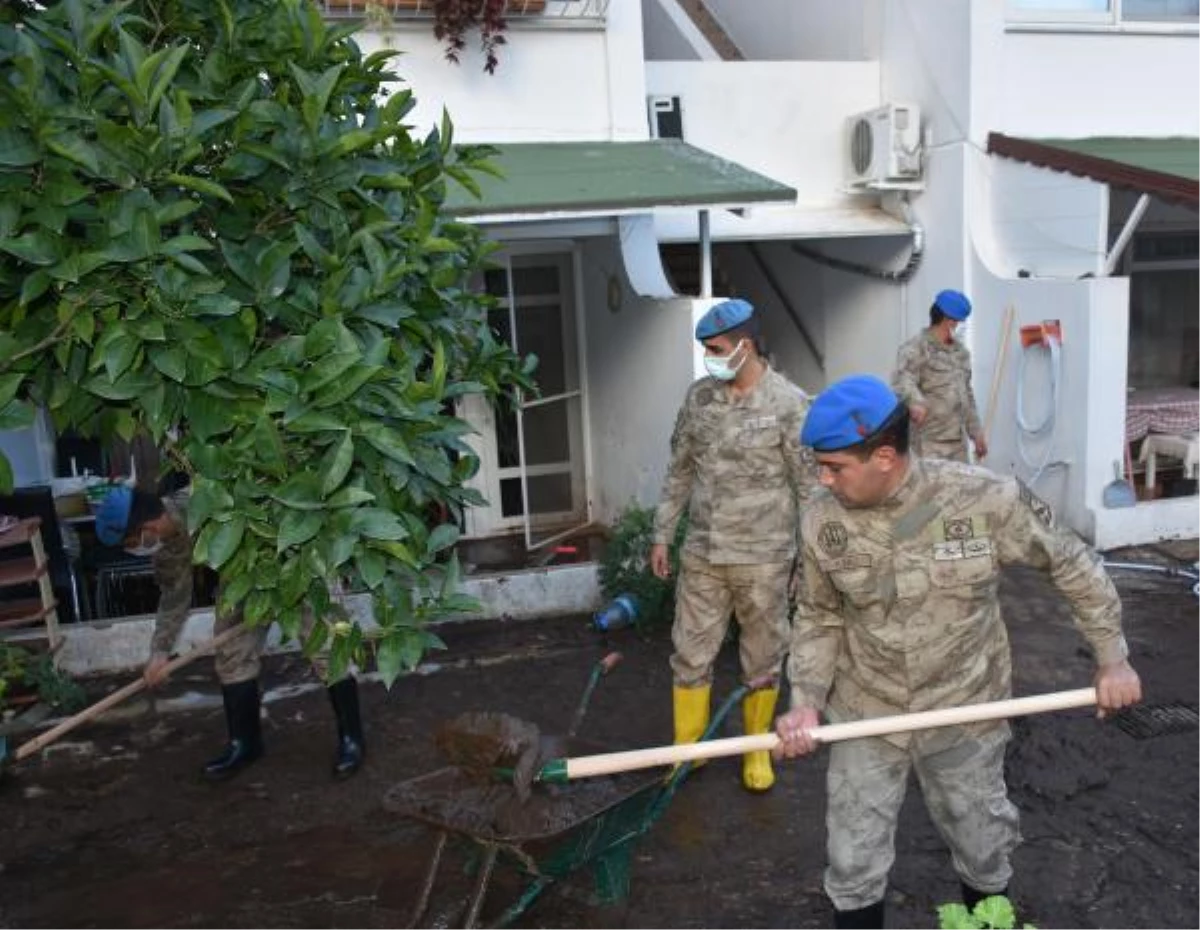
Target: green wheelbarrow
x,y
561,830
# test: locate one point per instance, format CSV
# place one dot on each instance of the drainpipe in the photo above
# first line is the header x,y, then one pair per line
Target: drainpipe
x,y
1131,224
705,256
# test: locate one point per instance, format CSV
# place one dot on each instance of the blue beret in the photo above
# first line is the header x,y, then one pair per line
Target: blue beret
x,y
112,516
722,317
848,412
954,304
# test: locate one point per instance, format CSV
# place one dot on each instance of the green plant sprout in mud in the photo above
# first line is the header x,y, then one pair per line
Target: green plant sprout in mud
x,y
994,913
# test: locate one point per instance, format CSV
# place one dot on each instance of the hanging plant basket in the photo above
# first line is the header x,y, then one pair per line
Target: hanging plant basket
x,y
453,20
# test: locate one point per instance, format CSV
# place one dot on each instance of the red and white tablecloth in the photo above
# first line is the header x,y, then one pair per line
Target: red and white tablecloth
x,y
1161,410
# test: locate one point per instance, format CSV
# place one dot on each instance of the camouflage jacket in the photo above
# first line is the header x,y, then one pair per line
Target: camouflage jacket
x,y
173,572
899,610
737,466
938,377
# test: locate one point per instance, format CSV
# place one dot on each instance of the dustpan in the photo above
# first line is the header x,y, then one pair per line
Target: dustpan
x,y
1119,493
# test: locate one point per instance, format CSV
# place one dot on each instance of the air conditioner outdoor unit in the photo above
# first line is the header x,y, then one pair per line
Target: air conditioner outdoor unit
x,y
883,148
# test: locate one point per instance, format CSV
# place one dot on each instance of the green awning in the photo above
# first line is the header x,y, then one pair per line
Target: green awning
x,y
598,178
1165,167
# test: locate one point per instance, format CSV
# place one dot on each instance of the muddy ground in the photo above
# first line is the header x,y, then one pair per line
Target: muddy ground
x,y
116,828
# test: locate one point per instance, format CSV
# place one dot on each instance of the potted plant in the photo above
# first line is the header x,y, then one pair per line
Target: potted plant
x,y
453,19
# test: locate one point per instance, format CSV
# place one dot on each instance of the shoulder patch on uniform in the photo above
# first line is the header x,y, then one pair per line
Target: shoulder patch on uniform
x,y
833,537
1040,508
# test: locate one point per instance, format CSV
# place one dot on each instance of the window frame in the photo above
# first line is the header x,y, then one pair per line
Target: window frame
x,y
1017,15
1018,19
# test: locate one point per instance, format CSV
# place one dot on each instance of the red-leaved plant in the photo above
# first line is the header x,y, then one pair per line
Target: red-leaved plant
x,y
453,19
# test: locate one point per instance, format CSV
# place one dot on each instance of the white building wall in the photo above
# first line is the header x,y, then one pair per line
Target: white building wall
x,y
812,30
785,120
1042,223
1068,84
1087,436
925,59
583,82
639,367
865,319
801,282
662,34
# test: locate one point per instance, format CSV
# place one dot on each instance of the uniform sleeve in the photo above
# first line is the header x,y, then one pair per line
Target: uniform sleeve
x,y
906,378
801,468
1028,536
816,634
173,572
677,487
974,425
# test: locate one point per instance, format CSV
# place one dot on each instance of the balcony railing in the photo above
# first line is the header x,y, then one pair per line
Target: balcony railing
x,y
518,11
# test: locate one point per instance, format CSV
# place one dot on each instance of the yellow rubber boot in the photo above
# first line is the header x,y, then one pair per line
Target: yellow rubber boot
x,y
691,714
758,711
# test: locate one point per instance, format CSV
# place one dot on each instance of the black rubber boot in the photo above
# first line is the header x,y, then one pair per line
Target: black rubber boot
x,y
245,732
351,747
870,916
972,896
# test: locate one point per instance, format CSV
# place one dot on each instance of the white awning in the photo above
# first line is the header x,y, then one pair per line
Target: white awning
x,y
774,223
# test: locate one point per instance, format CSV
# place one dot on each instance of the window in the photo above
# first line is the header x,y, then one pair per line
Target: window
x,y
1105,12
1160,11
1100,12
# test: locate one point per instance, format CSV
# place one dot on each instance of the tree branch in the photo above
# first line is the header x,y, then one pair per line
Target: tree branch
x,y
55,336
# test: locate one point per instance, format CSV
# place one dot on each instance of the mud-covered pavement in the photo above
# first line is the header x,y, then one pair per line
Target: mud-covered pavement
x,y
117,829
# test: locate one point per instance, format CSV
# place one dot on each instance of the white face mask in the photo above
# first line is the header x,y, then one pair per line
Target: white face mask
x,y
144,547
718,365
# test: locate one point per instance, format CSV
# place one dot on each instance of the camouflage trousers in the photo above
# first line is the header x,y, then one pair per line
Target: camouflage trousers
x,y
950,450
239,659
962,780
706,595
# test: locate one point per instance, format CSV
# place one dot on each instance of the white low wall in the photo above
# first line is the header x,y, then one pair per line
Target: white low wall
x,y
1149,522
783,119
116,646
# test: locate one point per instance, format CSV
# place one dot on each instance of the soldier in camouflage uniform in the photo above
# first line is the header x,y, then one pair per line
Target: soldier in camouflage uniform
x,y
736,465
933,376
148,525
899,613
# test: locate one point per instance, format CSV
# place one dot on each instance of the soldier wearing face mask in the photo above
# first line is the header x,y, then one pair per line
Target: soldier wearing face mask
x,y
146,525
736,466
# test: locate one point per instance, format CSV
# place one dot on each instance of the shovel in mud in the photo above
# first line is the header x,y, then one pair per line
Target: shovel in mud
x,y
497,744
559,771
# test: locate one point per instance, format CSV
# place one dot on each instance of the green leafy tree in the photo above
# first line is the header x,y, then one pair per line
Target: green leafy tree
x,y
215,227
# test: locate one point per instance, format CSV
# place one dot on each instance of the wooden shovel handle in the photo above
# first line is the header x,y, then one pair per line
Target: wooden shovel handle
x,y
613,762
998,371
40,742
